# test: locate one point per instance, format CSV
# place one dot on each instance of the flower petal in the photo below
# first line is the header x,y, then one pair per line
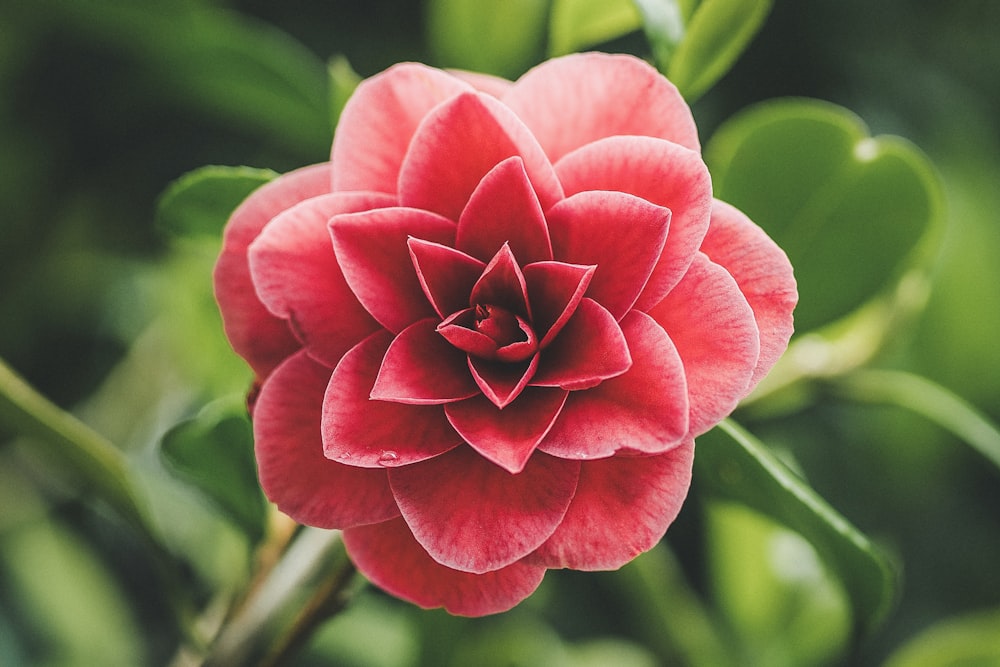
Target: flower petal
x,y
590,349
502,382
474,516
359,431
645,409
422,368
554,292
262,339
622,234
502,284
764,274
507,437
660,172
373,253
297,276
504,209
572,101
388,555
445,274
622,508
484,83
378,122
457,144
293,472
716,335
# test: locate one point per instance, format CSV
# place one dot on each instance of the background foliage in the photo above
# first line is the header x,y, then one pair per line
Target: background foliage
x,y
107,310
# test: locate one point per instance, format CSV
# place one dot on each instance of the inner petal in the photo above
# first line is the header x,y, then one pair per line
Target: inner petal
x,y
502,284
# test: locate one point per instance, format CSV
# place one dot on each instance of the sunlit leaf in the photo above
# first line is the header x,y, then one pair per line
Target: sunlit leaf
x,y
200,202
663,22
732,465
972,640
214,452
575,24
849,209
343,81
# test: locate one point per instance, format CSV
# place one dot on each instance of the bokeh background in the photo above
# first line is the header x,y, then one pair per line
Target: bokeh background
x,y
104,102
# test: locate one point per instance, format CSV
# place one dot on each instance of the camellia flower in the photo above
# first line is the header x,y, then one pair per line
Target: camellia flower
x,y
488,331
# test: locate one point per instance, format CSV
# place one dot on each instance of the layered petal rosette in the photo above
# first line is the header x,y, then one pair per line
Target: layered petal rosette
x,y
487,333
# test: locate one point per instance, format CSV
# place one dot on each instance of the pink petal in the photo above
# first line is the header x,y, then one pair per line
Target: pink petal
x,y
645,409
714,330
378,122
388,555
459,330
370,433
255,334
474,516
504,209
375,258
571,101
484,83
422,368
297,276
507,437
293,472
622,508
502,382
660,172
554,292
622,234
457,144
590,349
764,274
502,284
445,274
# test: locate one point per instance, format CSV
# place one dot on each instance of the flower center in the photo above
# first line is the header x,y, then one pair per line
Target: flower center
x,y
499,324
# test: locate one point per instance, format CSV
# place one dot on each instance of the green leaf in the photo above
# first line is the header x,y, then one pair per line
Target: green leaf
x,y
200,202
971,640
214,452
927,399
732,465
716,35
501,37
663,22
576,24
850,210
343,81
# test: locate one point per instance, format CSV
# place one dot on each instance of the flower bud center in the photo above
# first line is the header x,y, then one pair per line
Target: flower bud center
x,y
499,324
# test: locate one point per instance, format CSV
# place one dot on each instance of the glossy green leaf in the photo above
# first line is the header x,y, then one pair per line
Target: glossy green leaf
x,y
501,37
972,640
849,209
576,24
214,452
733,465
718,32
200,202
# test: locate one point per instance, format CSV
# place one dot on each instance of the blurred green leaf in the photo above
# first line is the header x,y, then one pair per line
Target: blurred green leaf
x,y
972,640
718,32
576,24
214,452
733,465
200,202
501,37
343,81
663,23
849,210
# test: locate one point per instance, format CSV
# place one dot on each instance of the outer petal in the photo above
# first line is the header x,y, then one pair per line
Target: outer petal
x,y
375,258
458,144
571,101
484,83
659,172
590,349
646,409
473,516
297,276
293,471
379,120
714,330
622,234
388,555
504,209
764,274
507,437
422,368
369,433
258,336
622,507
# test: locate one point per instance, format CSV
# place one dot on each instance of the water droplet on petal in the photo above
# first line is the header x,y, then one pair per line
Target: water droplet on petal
x,y
388,458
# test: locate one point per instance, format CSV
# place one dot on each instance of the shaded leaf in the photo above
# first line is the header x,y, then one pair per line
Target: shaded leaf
x,y
663,22
200,202
849,210
576,24
732,465
970,640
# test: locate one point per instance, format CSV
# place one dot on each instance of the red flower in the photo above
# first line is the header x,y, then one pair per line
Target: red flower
x,y
487,332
